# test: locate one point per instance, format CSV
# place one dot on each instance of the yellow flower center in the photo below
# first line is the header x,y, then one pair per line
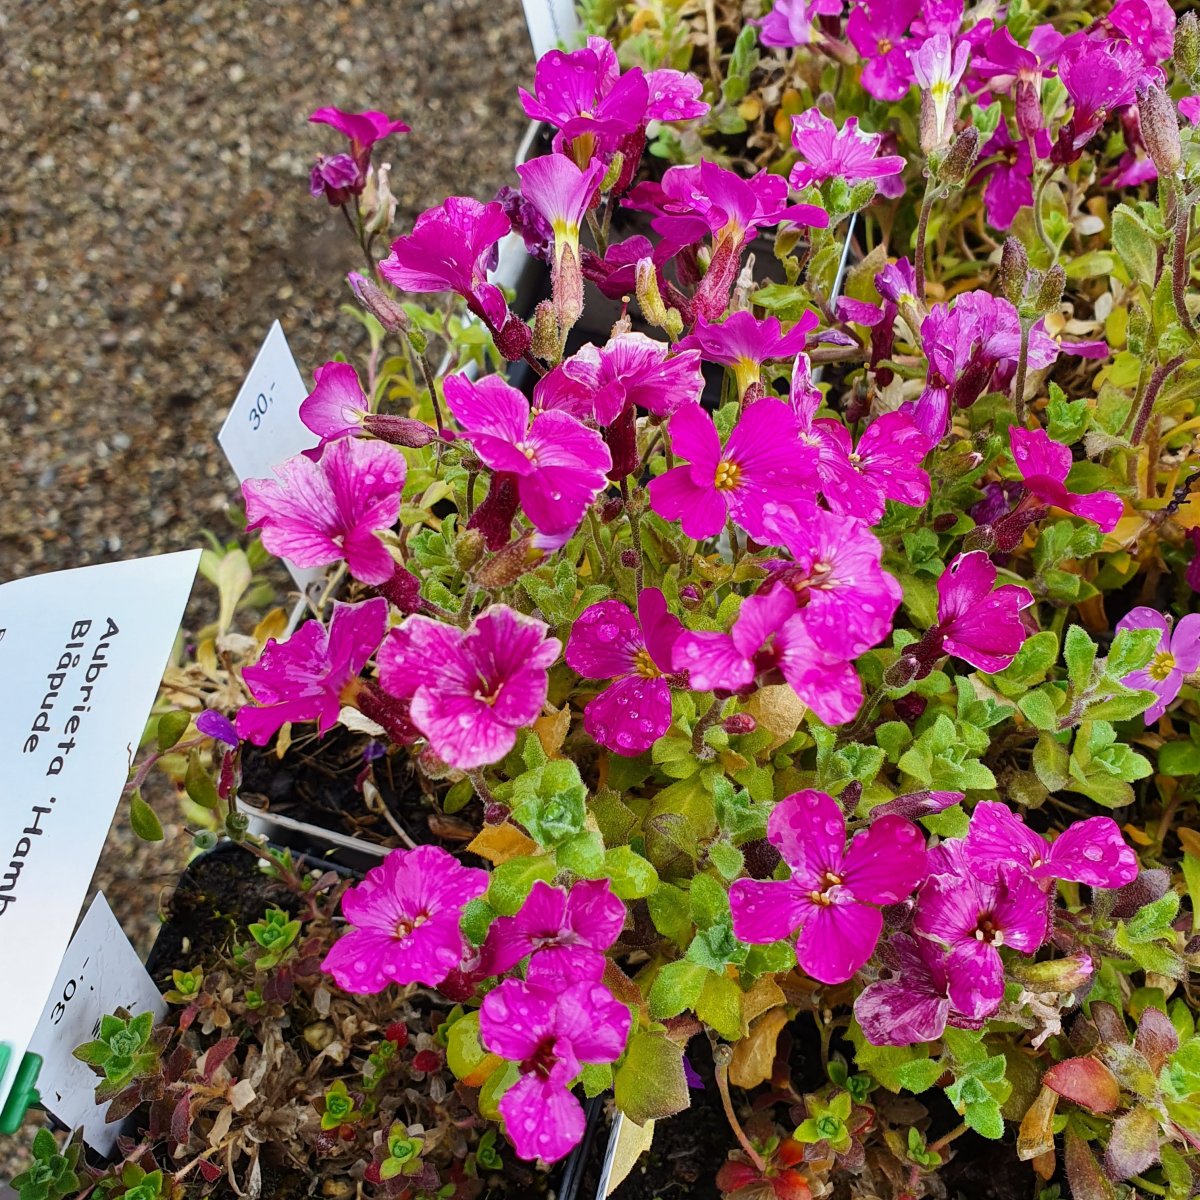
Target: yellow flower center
x,y
643,665
404,926
728,475
529,451
822,895
1161,666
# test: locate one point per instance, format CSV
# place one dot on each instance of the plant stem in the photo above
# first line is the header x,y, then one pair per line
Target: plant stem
x,y
932,193
1038,223
1180,268
1155,386
947,1138
722,1057
1022,367
427,375
702,726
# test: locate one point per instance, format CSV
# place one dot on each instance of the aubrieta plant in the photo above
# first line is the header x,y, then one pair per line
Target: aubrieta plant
x,y
810,657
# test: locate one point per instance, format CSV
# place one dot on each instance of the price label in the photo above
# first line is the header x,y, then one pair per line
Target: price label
x,y
100,973
81,657
264,428
551,23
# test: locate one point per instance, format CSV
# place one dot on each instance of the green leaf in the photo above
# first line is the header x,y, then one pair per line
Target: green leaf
x,y
1038,706
1068,419
649,1084
1051,761
985,1118
199,785
1079,653
720,1005
171,727
1153,920
676,989
550,801
1032,664
1131,650
144,819
511,881
727,858
709,901
1179,758
1135,243
920,1074
629,874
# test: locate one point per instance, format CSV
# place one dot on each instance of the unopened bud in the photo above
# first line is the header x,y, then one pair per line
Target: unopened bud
x,y
629,558
960,158
944,522
1014,270
1029,108
417,340
237,824
691,597
468,548
674,323
546,342
1187,46
1160,130
1057,975
509,564
611,510
513,340
403,590
399,431
377,203
649,297
861,194
902,672
378,303
738,723
1050,290
615,166
982,537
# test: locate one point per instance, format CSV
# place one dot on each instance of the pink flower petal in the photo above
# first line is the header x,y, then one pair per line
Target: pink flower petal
x,y
836,940
543,1119
630,715
604,641
884,863
810,832
765,911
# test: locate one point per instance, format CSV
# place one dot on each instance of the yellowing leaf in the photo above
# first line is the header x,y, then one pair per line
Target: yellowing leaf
x,y
551,729
499,843
630,1142
273,625
778,710
763,995
1189,839
754,1056
1138,835
1036,1135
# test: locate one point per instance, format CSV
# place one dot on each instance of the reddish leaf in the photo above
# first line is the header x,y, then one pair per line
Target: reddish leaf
x,y
209,1170
1156,1038
216,1055
1086,1179
123,1104
1109,1024
1086,1082
1133,1144
181,1120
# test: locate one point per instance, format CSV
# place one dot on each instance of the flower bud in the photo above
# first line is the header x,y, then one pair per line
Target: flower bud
x,y
629,558
513,340
982,537
1058,975
1160,130
738,723
237,825
928,128
399,431
944,522
1050,290
468,548
861,194
648,295
691,597
1014,270
392,714
377,202
960,158
403,590
902,672
546,342
494,517
1187,46
1029,108
509,564
910,707
378,303
611,510
616,167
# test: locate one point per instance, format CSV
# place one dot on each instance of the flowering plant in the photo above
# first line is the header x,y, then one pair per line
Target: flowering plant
x,y
789,655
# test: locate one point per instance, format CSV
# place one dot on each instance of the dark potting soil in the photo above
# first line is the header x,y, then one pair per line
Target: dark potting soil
x,y
318,780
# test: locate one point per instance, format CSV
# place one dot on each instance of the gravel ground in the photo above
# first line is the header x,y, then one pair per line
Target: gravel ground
x,y
154,220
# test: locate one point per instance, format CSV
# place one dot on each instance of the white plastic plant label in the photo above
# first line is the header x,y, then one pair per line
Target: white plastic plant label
x,y
264,428
100,973
81,656
551,23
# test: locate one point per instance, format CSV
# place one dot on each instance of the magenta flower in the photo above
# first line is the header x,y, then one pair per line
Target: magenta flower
x,y
1189,108
763,462
337,177
973,917
362,129
858,481
336,406
559,463
567,932
743,343
1091,851
1149,25
551,1031
633,369
1044,464
1008,66
451,249
1009,180
938,65
404,921
770,640
835,573
1177,656
878,30
581,94
791,22
316,513
980,625
913,1003
834,890
1100,76
304,678
827,152
471,690
561,193
609,642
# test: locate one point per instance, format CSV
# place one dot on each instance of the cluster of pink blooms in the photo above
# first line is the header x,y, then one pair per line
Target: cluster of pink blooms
x,y
809,489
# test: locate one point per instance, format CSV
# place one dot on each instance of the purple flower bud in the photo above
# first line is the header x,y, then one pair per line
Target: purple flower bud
x,y
513,340
399,431
738,723
629,558
217,726
691,597
337,178
377,302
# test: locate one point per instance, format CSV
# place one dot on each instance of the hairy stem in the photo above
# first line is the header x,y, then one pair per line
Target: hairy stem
x,y
702,726
946,1138
722,1057
1153,388
1180,268
932,194
1022,367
